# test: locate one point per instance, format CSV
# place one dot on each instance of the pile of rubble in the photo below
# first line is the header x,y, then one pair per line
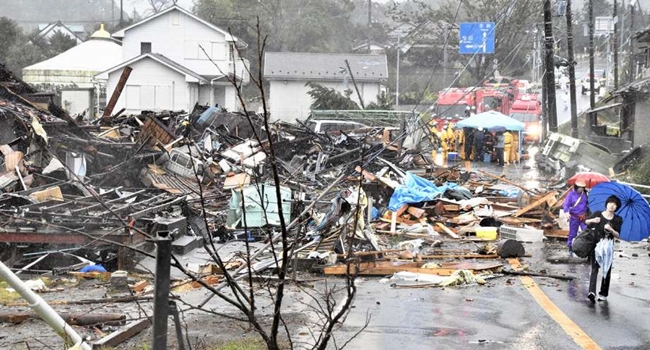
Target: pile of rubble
x,y
213,176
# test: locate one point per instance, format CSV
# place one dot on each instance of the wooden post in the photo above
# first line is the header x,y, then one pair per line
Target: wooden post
x,y
118,91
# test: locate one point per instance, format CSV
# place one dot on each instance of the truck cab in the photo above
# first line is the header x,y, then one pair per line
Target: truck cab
x,y
453,102
528,110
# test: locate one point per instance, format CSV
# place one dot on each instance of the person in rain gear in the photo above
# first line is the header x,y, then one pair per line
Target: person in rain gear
x,y
575,210
451,137
479,143
185,128
499,146
607,225
513,156
507,146
489,144
444,143
468,142
435,140
459,137
468,111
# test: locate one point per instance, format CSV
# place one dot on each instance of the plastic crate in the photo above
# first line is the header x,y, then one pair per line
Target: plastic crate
x,y
453,156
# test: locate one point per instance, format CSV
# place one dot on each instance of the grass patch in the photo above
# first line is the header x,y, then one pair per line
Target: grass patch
x,y
242,344
5,296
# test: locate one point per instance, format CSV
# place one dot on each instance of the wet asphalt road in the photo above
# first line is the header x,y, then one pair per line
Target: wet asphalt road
x,y
582,70
503,314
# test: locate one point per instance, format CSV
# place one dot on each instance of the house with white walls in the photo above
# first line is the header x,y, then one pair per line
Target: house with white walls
x,y
177,60
289,72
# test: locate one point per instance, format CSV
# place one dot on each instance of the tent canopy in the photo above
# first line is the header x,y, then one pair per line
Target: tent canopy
x,y
490,119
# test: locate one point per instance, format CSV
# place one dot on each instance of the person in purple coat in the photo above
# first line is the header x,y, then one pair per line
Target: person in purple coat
x,y
575,208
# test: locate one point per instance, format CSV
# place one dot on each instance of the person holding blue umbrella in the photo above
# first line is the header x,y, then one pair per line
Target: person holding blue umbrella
x,y
607,226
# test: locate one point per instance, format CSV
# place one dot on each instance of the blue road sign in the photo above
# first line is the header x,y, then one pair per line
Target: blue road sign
x,y
476,38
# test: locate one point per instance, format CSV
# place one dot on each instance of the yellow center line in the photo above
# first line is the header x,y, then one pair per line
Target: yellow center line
x,y
571,328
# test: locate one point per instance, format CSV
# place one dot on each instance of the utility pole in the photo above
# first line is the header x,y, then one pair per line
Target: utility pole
x,y
616,45
572,71
592,98
550,66
369,23
397,78
630,46
121,12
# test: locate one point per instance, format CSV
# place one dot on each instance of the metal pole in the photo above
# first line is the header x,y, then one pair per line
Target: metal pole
x,y
550,73
397,79
630,46
616,48
592,98
369,23
161,297
572,71
41,308
355,84
177,321
609,59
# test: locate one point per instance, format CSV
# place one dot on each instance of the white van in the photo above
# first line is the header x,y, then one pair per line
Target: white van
x,y
329,126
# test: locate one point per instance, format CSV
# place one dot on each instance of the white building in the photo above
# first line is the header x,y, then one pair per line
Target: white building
x,y
288,72
178,60
72,73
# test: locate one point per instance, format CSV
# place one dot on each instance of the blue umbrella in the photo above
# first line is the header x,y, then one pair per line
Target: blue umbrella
x,y
634,209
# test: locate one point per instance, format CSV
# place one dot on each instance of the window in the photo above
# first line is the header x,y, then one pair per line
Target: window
x,y
145,48
176,18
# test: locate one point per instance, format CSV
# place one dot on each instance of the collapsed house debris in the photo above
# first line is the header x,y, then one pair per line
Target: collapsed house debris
x,y
370,196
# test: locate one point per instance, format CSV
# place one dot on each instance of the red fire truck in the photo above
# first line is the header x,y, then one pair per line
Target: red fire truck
x,y
528,109
453,102
493,99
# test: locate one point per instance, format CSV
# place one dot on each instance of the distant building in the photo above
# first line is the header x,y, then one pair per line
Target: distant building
x,y
36,14
72,73
178,60
76,31
288,72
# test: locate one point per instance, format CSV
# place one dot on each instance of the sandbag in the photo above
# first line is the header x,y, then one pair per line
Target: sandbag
x,y
584,243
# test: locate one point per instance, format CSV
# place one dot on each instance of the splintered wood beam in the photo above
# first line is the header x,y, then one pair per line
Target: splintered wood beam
x,y
535,204
447,230
117,92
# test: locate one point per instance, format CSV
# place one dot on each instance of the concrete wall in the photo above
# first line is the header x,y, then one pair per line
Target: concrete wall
x,y
289,100
151,86
178,36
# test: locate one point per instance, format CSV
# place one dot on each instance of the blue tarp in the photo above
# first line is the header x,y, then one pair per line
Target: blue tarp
x,y
93,268
487,120
415,190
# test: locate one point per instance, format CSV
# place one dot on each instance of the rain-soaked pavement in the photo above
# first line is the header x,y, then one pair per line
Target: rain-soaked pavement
x,y
503,314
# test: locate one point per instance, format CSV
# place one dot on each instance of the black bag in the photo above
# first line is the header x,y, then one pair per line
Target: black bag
x,y
584,243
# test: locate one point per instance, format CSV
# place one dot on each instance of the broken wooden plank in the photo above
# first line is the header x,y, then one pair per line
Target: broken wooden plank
x,y
73,319
535,204
460,256
122,335
447,230
368,175
417,212
521,273
383,268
